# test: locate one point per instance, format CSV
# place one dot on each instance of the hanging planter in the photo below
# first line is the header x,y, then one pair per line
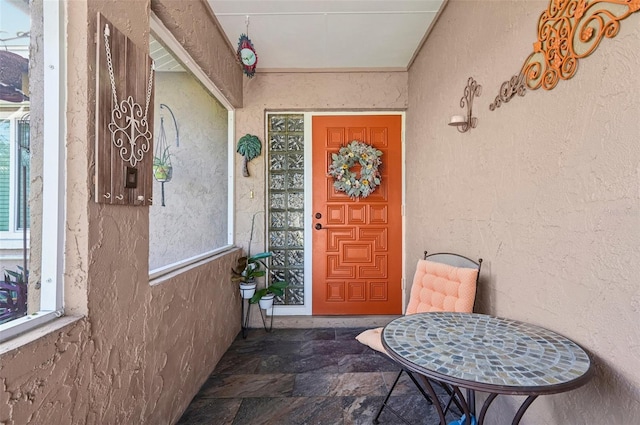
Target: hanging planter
x,y
162,168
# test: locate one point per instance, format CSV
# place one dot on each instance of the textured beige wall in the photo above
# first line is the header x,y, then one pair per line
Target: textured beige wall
x,y
141,352
195,27
546,189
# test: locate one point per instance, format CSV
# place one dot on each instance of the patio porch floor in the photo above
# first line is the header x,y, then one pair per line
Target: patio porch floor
x,y
304,376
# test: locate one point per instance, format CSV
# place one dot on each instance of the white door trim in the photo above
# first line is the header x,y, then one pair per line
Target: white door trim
x,y
307,308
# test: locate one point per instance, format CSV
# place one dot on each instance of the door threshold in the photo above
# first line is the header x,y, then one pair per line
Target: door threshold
x,y
309,322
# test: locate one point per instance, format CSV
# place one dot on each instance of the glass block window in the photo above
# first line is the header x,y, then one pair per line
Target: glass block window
x,y
286,203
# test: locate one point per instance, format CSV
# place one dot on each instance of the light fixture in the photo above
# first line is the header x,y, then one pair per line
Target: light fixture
x,y
464,123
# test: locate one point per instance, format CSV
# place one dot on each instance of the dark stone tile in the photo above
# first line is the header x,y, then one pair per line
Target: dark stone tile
x,y
368,362
290,411
264,347
230,386
237,363
319,334
405,385
338,384
360,410
291,363
343,334
414,409
306,376
208,411
251,335
336,348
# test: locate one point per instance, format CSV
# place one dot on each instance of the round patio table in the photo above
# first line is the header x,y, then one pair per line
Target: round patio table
x,y
486,353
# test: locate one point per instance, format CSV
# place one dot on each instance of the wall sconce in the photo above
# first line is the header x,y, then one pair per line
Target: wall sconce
x,y
463,123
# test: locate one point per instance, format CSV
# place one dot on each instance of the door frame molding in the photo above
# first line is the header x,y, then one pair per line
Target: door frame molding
x,y
307,308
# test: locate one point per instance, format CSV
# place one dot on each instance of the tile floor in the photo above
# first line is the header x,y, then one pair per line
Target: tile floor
x,y
304,376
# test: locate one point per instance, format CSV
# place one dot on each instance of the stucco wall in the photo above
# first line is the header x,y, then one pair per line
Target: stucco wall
x,y
194,25
546,189
140,353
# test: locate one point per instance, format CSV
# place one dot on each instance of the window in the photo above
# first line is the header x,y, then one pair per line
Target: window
x,y
14,172
190,218
27,181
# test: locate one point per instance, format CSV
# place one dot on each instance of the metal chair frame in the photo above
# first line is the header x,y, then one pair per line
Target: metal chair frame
x,y
455,260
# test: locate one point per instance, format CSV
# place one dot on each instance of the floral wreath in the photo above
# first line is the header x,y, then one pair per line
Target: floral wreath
x,y
346,180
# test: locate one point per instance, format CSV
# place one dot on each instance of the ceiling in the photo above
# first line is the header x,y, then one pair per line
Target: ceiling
x,y
329,35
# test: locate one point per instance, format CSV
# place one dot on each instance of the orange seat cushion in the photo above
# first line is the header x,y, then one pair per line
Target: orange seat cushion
x,y
441,287
372,338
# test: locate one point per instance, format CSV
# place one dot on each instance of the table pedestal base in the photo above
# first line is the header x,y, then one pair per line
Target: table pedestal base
x,y
468,406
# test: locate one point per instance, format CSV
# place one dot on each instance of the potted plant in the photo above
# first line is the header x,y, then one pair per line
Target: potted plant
x,y
162,168
13,295
247,269
266,295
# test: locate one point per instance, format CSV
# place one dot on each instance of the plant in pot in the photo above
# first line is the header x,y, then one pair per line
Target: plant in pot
x,y
247,269
265,296
162,168
13,295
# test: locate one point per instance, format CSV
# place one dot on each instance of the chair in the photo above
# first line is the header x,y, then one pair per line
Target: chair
x,y
442,282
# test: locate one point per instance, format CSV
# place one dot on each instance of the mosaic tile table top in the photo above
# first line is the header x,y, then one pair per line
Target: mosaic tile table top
x,y
486,352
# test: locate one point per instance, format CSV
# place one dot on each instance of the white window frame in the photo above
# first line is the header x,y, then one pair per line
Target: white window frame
x,y
160,32
53,187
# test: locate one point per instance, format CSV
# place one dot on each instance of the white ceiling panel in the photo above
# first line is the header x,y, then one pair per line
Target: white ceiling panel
x,y
338,34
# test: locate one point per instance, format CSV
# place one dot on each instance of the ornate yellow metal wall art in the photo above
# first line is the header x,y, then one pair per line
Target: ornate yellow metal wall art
x,y
568,30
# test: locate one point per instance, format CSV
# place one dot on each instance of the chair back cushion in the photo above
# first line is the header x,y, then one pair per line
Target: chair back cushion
x,y
441,287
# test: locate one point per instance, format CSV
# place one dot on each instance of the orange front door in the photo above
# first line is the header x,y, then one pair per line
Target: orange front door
x,y
357,250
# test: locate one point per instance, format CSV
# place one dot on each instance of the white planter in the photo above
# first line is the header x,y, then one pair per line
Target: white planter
x,y
247,290
266,302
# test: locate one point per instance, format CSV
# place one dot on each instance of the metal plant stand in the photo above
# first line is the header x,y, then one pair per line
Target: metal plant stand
x,y
246,313
244,318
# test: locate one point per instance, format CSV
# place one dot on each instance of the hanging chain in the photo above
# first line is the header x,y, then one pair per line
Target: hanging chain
x,y
146,109
110,66
107,34
130,135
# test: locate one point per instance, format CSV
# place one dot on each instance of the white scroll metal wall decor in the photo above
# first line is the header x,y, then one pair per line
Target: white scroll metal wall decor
x,y
124,142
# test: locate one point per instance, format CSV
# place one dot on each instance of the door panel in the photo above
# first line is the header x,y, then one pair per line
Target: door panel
x,y
357,252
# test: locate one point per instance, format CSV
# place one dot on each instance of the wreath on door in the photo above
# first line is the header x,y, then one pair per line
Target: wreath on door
x,y
344,169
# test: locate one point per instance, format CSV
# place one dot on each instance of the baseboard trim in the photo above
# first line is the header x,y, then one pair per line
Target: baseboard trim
x,y
309,322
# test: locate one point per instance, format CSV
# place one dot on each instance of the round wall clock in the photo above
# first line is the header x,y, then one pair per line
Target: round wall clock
x,y
247,55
